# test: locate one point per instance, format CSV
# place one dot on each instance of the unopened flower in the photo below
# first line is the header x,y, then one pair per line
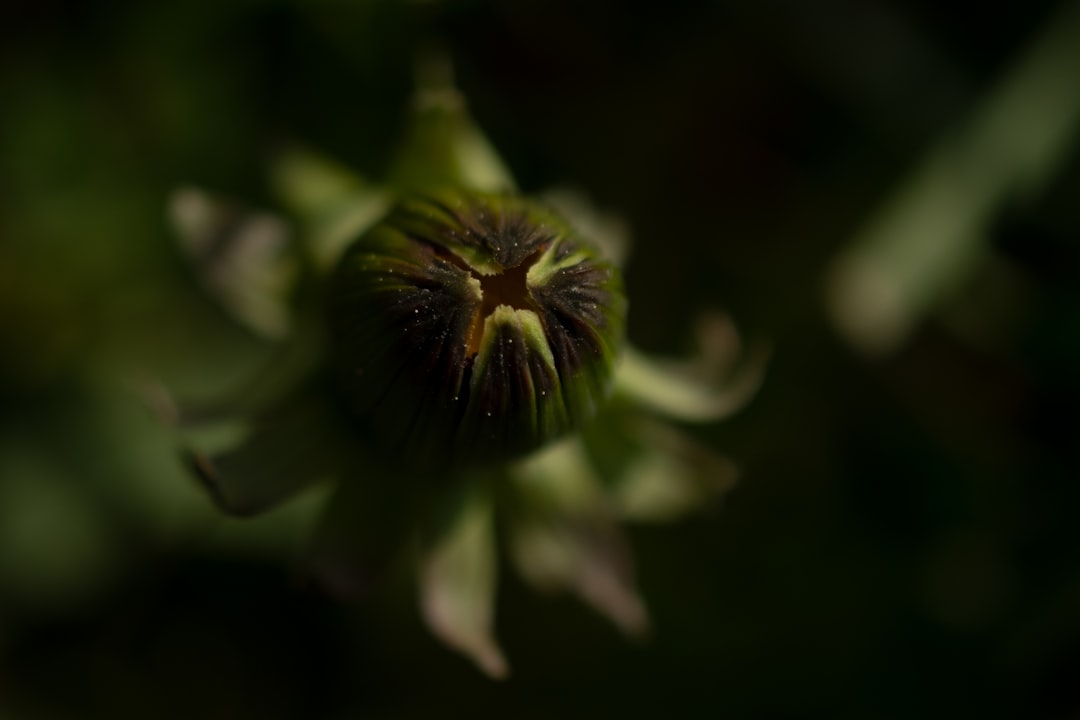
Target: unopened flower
x,y
471,328
452,351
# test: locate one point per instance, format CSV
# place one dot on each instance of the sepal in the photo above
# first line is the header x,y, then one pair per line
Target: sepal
x,y
564,535
458,576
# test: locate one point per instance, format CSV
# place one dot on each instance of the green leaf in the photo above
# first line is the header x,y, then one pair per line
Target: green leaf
x,y
244,259
663,474
564,535
457,584
289,447
334,205
932,233
674,392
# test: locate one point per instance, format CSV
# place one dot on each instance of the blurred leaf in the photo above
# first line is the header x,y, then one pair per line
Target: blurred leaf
x,y
334,205
457,584
675,393
931,233
668,475
565,535
290,446
244,259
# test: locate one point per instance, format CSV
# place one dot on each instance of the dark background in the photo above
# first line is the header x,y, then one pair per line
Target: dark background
x,y
903,540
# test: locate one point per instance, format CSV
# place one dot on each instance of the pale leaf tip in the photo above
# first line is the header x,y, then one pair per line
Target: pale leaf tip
x,y
446,623
614,598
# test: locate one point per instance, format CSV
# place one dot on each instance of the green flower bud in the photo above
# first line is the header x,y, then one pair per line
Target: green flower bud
x,y
469,328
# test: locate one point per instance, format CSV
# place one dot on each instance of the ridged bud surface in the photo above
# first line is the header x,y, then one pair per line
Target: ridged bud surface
x,y
469,328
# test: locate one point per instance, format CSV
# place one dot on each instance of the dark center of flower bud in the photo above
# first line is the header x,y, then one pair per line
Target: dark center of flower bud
x,y
505,288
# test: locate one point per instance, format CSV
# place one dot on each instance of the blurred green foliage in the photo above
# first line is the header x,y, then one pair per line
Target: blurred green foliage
x,y
903,542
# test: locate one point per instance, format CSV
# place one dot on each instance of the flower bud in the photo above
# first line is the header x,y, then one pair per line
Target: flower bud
x,y
469,328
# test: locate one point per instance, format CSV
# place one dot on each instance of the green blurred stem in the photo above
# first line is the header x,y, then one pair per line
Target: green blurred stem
x,y
930,234
442,147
